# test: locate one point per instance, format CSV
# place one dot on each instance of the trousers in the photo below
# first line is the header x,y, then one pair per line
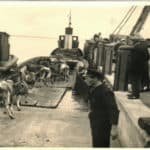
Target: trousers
x,y
136,84
100,130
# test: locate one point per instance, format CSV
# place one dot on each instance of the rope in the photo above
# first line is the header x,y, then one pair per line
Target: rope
x,y
141,20
123,19
127,20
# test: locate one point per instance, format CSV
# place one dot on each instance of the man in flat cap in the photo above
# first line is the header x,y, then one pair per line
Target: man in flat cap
x,y
139,56
103,113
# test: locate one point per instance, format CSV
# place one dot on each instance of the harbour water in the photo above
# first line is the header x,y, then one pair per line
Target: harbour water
x,y
25,48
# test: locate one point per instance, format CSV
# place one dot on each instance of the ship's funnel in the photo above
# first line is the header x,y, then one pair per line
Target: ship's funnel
x,y
68,41
6,60
4,46
68,38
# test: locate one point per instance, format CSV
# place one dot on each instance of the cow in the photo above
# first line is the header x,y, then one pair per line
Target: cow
x,y
37,72
82,67
6,96
64,71
46,75
20,89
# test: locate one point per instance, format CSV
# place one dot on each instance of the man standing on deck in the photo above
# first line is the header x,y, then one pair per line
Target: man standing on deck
x,y
139,57
103,114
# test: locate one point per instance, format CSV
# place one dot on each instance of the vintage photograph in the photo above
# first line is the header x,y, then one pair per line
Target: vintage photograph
x,y
75,74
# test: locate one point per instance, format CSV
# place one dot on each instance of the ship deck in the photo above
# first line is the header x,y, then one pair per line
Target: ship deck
x,y
65,126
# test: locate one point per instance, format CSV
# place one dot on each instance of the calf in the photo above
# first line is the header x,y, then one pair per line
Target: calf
x,y
6,90
64,71
27,75
20,89
46,75
82,67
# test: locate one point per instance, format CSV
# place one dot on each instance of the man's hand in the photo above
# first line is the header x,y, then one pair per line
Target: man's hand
x,y
114,132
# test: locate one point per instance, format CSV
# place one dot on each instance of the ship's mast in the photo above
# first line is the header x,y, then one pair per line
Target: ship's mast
x,y
70,19
141,20
68,34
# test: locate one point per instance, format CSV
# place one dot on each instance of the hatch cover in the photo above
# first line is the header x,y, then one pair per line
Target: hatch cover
x,y
46,97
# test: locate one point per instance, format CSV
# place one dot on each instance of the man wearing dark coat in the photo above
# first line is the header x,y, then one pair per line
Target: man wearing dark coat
x,y
103,114
139,57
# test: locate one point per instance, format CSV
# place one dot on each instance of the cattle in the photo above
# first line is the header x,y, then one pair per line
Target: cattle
x,y
20,89
64,71
10,93
6,96
36,72
46,75
82,67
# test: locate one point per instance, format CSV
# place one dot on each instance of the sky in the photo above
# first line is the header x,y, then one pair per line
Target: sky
x,y
50,21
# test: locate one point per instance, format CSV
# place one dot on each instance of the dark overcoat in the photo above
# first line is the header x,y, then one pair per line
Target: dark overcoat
x,y
104,112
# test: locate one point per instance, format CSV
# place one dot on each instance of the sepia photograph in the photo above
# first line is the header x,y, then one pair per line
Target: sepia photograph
x,y
74,74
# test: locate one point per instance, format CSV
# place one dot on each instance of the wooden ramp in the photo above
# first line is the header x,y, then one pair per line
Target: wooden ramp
x,y
47,97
